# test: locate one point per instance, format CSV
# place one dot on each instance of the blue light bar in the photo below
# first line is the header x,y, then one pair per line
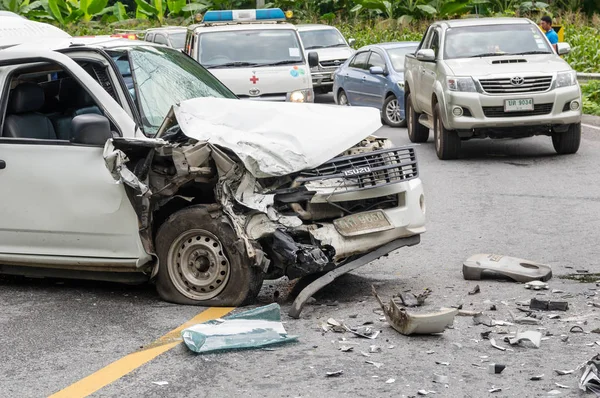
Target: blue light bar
x,y
264,14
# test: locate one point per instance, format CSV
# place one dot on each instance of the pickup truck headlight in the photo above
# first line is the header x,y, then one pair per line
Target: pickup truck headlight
x,y
465,84
300,96
565,79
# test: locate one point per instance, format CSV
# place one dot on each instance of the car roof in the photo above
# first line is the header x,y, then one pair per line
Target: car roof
x,y
19,30
314,26
233,26
102,42
167,29
453,23
389,45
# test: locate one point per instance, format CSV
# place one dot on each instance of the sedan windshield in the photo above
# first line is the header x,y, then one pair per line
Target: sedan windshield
x,y
322,38
397,56
163,77
495,40
247,48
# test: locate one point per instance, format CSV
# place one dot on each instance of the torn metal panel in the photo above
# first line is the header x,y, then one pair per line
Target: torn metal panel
x,y
298,259
312,135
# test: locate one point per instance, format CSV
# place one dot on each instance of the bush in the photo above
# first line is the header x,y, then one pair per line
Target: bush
x,y
591,97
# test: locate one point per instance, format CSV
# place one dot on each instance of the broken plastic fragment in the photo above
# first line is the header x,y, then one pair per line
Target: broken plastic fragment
x,y
335,374
255,328
425,392
374,349
408,324
493,342
412,300
442,363
376,364
548,305
390,381
532,336
364,354
480,266
536,285
590,379
366,332
160,383
564,372
537,378
561,385
475,290
495,389
495,368
346,348
440,379
481,319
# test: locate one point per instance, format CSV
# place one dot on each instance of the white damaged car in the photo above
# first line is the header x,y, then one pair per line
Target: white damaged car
x,y
126,161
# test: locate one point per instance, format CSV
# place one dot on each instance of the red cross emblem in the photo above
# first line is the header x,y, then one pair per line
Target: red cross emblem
x,y
254,79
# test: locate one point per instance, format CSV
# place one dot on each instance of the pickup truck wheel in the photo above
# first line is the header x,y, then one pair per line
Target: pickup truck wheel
x,y
199,261
416,131
391,112
447,142
343,98
567,142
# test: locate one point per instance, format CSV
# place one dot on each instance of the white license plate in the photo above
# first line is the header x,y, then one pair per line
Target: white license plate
x,y
362,223
518,105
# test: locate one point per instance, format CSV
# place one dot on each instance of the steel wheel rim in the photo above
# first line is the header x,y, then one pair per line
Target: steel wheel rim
x,y
343,99
392,111
197,265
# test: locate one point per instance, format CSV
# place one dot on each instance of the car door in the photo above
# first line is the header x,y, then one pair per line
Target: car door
x,y
354,79
61,205
374,85
419,96
429,73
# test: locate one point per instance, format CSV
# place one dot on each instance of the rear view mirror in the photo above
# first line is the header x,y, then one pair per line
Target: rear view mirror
x,y
376,70
313,59
426,55
90,129
351,42
563,48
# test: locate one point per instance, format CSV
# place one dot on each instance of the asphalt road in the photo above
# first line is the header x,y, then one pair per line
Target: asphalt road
x,y
508,197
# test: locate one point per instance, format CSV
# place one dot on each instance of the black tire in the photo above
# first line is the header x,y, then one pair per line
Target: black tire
x,y
416,131
210,250
447,142
391,116
342,94
568,142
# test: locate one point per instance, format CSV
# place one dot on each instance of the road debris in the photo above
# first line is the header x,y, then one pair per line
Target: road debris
x,y
576,329
376,364
562,385
442,363
160,383
363,331
494,389
557,291
534,337
469,313
346,348
493,307
481,319
564,372
374,349
430,352
554,392
364,354
425,392
537,378
482,266
475,290
335,326
589,380
457,345
412,300
536,285
254,328
486,335
390,381
597,330
496,368
493,343
337,373
536,304
407,324
553,316
440,379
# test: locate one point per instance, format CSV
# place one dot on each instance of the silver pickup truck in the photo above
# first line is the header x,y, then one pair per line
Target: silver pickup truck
x,y
490,77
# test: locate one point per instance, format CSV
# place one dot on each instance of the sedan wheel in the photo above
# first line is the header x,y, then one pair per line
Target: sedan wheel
x,y
343,99
391,112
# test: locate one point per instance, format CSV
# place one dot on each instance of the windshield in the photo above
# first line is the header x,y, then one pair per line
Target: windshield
x,y
177,40
491,40
163,77
245,48
397,56
322,38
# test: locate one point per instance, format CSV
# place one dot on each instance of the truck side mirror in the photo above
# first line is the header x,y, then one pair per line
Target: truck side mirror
x,y
563,48
351,42
90,129
426,55
313,59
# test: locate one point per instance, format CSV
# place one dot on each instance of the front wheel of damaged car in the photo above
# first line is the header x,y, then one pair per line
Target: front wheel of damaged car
x,y
200,262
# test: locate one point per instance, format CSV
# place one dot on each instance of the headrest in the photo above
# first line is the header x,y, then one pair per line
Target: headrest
x,y
73,95
26,97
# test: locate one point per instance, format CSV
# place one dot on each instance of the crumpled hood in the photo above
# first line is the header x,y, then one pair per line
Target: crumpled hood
x,y
480,67
276,138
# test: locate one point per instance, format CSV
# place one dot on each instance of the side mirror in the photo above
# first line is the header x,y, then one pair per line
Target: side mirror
x,y
426,55
90,129
351,42
563,48
376,70
313,59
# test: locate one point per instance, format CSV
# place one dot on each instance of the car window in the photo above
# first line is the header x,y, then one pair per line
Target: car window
x,y
161,39
397,55
360,60
376,60
426,39
164,77
244,48
149,37
435,43
177,40
322,38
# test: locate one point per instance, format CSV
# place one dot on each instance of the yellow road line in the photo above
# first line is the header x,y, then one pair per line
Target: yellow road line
x,y
121,367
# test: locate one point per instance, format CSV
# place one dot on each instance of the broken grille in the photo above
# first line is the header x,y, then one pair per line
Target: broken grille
x,y
367,170
534,84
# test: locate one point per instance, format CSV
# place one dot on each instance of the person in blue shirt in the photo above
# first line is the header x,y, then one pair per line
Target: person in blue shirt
x,y
546,25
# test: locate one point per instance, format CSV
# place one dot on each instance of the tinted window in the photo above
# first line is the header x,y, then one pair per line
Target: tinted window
x,y
376,60
161,39
360,61
322,38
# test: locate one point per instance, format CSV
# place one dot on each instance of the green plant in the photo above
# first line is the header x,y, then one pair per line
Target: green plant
x,y
33,10
74,10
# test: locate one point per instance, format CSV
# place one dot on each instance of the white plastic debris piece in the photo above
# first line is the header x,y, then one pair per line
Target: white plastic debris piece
x,y
457,345
376,364
364,354
493,342
335,374
536,285
425,392
390,381
443,363
553,316
533,336
391,347
554,392
537,378
558,291
346,348
160,383
562,386
495,389
503,323
505,303
564,372
333,322
374,349
440,379
590,378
